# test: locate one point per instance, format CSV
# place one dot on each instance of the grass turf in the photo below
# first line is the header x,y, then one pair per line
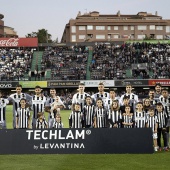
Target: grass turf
x,y
155,161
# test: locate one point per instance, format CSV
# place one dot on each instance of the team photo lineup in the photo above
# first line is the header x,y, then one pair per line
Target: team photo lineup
x,y
99,110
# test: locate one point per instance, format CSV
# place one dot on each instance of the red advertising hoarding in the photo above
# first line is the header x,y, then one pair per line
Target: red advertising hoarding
x,y
163,82
18,42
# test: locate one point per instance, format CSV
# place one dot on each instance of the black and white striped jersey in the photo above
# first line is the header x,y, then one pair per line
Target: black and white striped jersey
x,y
154,101
156,96
114,116
80,98
49,101
133,99
140,119
15,98
76,119
3,103
103,96
58,124
41,124
162,119
128,119
38,105
88,114
166,103
101,117
109,101
152,121
23,115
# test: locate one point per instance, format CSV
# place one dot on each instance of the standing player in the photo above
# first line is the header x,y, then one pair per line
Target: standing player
x,y
128,118
126,103
76,117
152,122
162,122
158,89
102,95
3,103
41,123
112,97
133,98
88,113
49,101
23,116
146,105
38,104
80,96
114,115
58,123
153,100
100,117
140,116
15,98
165,100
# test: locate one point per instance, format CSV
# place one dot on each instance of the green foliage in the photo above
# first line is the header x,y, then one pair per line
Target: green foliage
x,y
42,35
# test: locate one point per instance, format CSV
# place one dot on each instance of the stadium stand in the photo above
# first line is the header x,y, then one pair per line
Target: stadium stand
x,y
65,64
103,61
15,64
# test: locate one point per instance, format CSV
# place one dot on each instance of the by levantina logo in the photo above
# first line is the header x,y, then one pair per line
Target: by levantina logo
x,y
52,135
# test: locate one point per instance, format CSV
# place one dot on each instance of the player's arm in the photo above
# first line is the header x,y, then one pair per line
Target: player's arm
x,y
47,106
95,122
110,121
46,125
29,120
156,127
17,119
6,101
70,120
83,120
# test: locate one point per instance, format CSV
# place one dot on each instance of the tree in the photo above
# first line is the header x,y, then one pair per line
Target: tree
x,y
42,35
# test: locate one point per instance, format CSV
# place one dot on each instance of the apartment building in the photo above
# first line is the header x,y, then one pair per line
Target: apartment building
x,y
96,27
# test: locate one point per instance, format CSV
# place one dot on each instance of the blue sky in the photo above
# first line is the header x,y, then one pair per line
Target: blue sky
x,y
27,16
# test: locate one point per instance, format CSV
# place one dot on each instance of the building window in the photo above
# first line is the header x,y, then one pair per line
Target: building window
x,y
159,27
132,36
115,27
141,27
125,27
73,29
100,36
167,28
89,27
132,27
108,27
152,27
109,37
100,27
159,37
82,37
73,38
82,28
115,36
141,36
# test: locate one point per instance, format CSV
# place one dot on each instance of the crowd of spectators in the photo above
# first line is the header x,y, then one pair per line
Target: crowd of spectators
x,y
143,60
14,63
109,61
66,63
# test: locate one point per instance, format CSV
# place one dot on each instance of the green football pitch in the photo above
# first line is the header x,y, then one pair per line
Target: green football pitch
x,y
156,161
